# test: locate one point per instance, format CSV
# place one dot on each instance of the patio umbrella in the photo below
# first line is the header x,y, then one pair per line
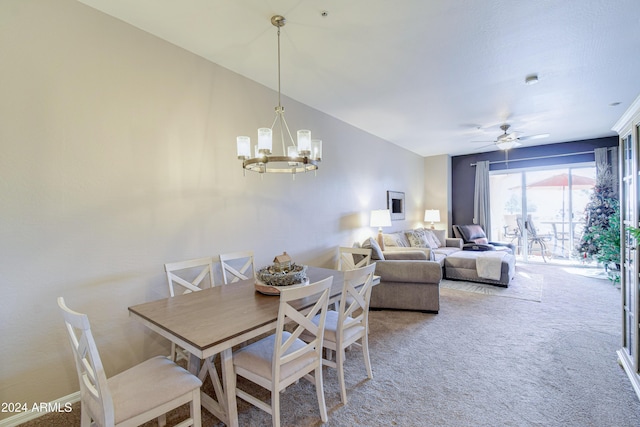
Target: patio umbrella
x,y
561,180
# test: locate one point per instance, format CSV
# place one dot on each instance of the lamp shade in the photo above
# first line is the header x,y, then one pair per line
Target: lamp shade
x,y
244,147
432,215
316,149
304,142
264,140
380,218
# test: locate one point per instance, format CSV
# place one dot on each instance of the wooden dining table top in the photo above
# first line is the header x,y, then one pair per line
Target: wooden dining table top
x,y
218,317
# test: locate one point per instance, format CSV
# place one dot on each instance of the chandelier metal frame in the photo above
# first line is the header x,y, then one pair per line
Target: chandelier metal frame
x,y
297,161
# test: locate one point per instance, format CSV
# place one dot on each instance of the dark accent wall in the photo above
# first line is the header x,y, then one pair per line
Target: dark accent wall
x,y
463,174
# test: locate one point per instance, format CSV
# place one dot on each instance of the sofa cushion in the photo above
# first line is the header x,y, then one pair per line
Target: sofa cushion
x,y
446,250
376,252
439,258
408,254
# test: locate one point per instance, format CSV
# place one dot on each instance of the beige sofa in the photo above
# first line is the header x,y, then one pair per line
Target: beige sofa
x,y
409,276
407,283
398,241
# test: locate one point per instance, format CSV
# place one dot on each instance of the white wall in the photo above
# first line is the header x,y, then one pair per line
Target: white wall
x,y
437,188
117,154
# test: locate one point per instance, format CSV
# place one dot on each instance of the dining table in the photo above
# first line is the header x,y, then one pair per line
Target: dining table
x,y
216,319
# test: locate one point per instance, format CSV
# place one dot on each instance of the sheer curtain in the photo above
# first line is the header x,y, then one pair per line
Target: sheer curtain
x,y
481,207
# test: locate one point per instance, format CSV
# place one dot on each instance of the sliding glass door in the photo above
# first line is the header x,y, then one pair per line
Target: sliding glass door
x,y
542,211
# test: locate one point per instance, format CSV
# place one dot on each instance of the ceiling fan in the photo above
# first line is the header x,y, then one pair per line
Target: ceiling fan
x,y
511,140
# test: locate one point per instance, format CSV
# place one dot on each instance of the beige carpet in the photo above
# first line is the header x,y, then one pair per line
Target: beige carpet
x,y
525,285
482,361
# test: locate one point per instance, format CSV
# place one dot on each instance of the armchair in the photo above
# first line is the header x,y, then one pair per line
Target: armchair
x,y
475,239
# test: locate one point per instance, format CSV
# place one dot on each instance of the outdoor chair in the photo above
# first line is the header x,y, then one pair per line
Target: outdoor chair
x,y
533,237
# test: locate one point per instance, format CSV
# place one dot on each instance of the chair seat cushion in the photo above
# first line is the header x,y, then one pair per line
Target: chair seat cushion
x,y
148,385
331,326
257,357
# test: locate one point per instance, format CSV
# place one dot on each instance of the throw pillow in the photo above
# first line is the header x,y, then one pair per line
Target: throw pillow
x,y
418,239
376,252
441,237
433,239
396,239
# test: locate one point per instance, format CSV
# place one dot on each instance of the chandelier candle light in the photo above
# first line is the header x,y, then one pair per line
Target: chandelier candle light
x,y
301,158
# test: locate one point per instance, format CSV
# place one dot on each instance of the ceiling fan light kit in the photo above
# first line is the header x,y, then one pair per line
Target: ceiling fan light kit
x,y
507,141
507,144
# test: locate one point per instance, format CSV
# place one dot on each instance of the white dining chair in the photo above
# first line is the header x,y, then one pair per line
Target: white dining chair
x,y
349,324
187,276
139,394
352,258
184,277
281,359
237,266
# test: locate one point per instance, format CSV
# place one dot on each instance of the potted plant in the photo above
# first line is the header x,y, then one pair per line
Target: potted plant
x,y
604,236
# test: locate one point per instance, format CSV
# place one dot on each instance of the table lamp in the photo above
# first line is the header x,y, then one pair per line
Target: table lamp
x,y
432,215
380,218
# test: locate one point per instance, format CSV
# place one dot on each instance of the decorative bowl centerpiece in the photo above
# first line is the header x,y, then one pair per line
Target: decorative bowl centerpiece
x,y
281,274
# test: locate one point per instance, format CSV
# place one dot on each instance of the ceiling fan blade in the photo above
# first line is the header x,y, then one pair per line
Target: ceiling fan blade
x,y
485,146
539,136
490,140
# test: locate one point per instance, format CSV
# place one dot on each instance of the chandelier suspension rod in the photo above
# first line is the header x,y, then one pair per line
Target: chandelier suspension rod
x,y
279,22
279,101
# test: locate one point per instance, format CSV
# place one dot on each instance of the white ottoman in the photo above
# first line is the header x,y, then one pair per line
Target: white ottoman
x,y
461,265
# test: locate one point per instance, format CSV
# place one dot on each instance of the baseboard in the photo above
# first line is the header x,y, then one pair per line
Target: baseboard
x,y
23,417
627,365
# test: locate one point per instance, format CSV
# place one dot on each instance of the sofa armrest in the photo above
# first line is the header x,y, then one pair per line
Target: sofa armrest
x,y
406,255
408,271
454,242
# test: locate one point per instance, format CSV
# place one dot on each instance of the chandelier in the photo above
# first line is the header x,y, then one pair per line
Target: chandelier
x,y
303,157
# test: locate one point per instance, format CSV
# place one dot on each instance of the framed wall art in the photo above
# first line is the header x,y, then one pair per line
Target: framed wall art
x,y
395,204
